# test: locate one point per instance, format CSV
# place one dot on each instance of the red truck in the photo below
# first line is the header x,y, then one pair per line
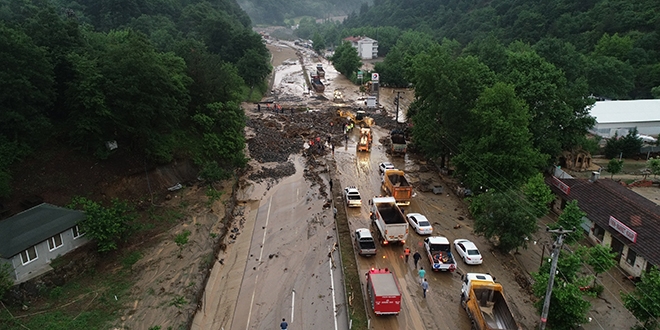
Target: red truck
x,y
384,292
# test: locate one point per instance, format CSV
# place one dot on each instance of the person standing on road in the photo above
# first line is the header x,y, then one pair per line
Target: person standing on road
x,y
416,258
425,287
330,183
284,325
406,253
421,273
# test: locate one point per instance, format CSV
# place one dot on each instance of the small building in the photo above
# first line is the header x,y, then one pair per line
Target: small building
x,y
367,48
30,240
616,217
622,116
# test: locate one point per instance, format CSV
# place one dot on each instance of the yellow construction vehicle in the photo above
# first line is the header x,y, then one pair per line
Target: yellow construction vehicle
x,y
358,117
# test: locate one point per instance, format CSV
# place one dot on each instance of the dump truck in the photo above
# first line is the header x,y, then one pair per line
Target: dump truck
x,y
438,250
391,225
365,140
484,301
384,292
364,242
317,84
398,139
396,185
319,71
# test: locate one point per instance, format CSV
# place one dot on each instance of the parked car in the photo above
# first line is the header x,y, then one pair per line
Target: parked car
x,y
468,252
420,223
385,166
353,198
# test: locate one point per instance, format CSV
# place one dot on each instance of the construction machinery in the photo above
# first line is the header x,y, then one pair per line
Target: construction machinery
x,y
365,140
358,117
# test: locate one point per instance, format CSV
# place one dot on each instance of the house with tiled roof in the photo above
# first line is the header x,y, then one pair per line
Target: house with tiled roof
x,y
30,240
367,48
616,217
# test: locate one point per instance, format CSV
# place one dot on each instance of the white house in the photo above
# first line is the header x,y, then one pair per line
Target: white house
x,y
367,48
30,240
622,116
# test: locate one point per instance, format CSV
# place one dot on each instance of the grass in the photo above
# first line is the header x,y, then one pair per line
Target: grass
x,y
352,283
91,302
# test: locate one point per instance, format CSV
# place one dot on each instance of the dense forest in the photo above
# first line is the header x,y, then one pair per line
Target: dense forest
x,y
614,45
161,79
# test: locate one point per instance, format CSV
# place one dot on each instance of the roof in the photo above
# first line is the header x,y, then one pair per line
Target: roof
x,y
629,111
604,198
33,226
438,240
384,284
364,232
353,39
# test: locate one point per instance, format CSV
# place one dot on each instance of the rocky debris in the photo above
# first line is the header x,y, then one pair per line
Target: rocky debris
x,y
277,172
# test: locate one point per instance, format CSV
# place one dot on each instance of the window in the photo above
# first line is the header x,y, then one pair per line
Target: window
x,y
29,255
77,232
599,232
55,242
631,257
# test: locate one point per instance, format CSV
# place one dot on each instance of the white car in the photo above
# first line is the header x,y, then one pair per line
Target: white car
x,y
468,252
353,198
385,166
420,223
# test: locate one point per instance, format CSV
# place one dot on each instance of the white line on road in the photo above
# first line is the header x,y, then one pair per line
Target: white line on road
x,y
332,288
293,300
263,240
252,302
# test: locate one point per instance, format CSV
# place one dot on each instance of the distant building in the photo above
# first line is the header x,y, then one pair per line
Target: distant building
x,y
617,217
30,240
367,48
622,116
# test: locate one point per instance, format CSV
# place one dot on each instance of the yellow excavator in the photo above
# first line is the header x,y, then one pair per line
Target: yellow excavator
x,y
357,117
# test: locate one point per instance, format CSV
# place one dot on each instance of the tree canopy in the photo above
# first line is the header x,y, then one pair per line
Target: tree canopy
x,y
136,72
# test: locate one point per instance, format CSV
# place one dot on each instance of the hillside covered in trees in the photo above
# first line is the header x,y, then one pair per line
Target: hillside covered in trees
x,y
162,79
277,12
614,45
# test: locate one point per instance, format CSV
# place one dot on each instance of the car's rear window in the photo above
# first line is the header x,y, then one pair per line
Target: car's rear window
x,y
473,252
424,224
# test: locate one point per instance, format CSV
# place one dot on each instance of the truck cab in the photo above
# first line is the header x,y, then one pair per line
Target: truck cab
x,y
364,242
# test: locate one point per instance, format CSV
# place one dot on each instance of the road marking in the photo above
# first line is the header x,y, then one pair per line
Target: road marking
x,y
252,302
332,288
263,240
293,300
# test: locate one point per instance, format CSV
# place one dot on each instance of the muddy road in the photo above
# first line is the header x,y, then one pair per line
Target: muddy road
x,y
282,264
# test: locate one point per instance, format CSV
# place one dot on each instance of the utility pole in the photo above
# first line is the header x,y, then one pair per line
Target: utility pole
x,y
556,248
398,100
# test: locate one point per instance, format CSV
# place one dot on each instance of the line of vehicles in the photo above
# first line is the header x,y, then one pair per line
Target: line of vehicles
x,y
481,297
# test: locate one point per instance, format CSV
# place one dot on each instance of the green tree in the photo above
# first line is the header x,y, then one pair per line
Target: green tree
x,y
346,59
568,308
6,278
538,194
106,225
643,301
614,166
609,77
654,165
599,257
498,153
253,67
505,216
571,217
446,90
394,69
625,147
319,43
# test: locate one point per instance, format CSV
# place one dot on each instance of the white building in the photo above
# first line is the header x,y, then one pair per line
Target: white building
x,y
622,116
367,48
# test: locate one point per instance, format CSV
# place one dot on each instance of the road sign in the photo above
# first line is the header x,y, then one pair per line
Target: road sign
x,y
374,77
359,75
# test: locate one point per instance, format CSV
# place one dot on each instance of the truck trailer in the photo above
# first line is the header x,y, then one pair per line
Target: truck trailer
x,y
484,301
384,292
390,223
396,185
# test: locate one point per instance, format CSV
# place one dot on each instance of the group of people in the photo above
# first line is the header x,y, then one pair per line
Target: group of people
x,y
277,108
421,272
